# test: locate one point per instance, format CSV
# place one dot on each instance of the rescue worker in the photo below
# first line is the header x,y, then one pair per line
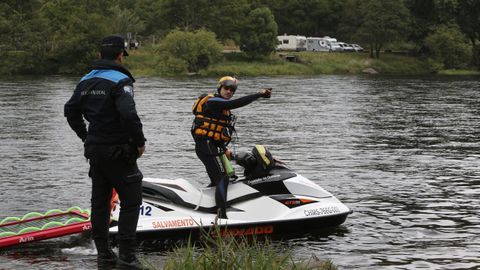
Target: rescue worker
x,y
212,130
113,142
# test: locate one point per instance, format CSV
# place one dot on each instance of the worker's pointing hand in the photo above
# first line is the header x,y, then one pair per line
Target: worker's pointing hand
x,y
266,92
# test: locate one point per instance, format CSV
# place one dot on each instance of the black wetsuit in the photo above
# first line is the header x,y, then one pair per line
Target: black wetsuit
x,y
209,150
104,97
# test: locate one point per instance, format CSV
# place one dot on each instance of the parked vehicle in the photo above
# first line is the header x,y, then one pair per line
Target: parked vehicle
x,y
317,44
357,47
335,47
346,47
333,44
292,43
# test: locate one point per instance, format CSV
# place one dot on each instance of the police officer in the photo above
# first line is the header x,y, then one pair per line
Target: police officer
x,y
212,130
113,142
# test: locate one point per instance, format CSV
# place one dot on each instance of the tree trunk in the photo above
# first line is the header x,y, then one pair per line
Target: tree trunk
x,y
378,47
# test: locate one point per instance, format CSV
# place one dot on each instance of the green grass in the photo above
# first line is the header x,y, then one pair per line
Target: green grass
x,y
401,65
335,63
229,253
145,62
459,72
355,63
314,63
257,68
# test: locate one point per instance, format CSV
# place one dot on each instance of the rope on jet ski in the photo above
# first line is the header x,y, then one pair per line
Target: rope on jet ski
x,y
200,200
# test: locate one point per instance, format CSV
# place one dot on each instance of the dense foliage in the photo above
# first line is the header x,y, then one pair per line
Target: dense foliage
x,y
191,51
62,36
383,22
259,35
449,47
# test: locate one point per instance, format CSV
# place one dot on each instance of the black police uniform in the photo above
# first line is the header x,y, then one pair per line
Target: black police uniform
x,y
104,97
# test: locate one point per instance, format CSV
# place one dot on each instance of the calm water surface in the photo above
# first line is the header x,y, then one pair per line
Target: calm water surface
x,y
402,152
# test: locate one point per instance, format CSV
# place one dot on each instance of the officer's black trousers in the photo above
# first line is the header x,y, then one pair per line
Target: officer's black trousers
x,y
107,173
210,157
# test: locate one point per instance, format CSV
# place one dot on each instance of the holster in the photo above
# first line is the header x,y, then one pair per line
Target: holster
x,y
126,152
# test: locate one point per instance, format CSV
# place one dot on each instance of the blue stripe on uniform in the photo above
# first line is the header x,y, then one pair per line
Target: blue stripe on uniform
x,y
111,75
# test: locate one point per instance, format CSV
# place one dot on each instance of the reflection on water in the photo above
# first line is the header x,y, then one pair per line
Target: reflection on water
x,y
401,152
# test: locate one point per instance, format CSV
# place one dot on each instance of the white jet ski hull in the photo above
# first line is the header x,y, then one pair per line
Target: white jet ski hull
x,y
284,202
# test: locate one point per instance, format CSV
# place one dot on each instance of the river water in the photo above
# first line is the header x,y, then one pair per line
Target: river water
x,y
402,152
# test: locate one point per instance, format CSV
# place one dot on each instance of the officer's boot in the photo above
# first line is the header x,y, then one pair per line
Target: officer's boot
x,y
127,258
106,258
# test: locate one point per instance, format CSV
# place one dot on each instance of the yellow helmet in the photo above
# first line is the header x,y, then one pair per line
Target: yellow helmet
x,y
227,81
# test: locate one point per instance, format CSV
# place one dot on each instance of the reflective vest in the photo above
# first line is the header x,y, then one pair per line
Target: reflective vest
x,y
208,124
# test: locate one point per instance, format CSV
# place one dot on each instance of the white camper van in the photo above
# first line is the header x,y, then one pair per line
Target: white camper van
x,y
317,44
292,43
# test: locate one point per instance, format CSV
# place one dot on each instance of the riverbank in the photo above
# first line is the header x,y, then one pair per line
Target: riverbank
x,y
146,63
214,251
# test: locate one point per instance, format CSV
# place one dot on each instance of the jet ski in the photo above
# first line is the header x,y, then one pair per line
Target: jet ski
x,y
275,201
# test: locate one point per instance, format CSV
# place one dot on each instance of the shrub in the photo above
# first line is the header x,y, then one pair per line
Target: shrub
x,y
191,51
449,46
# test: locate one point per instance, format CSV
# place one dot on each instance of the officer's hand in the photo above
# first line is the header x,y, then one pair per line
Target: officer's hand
x,y
141,150
266,92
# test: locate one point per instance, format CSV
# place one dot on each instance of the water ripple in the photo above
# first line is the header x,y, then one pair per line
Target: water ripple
x,y
401,152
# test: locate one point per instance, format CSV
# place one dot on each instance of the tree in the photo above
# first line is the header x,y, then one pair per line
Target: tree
x,y
469,19
22,41
302,17
125,21
449,46
350,19
259,35
194,50
383,22
445,11
72,42
151,13
222,17
422,21
227,18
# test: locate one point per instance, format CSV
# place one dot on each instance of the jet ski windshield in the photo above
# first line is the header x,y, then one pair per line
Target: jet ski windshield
x,y
272,183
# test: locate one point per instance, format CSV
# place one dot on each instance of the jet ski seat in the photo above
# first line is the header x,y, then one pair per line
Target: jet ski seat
x,y
160,193
180,192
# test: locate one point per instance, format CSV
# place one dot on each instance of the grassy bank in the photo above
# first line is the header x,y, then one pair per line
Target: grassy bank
x,y
145,62
216,252
314,63
459,72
